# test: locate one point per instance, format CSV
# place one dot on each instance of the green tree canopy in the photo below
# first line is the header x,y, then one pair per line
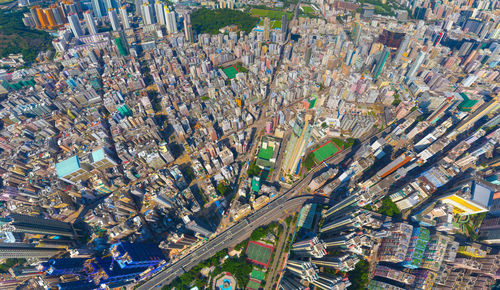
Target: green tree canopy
x,y
359,276
210,21
15,37
389,208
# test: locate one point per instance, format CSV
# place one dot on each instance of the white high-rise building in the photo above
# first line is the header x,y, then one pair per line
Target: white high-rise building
x,y
188,28
402,49
160,14
113,18
89,20
124,16
74,24
414,67
138,8
171,21
148,14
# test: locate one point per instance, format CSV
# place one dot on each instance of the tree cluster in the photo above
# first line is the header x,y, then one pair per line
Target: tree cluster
x,y
253,170
223,188
359,276
17,38
389,208
210,21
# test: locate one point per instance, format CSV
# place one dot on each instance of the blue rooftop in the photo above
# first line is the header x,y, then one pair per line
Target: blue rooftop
x,y
67,166
98,155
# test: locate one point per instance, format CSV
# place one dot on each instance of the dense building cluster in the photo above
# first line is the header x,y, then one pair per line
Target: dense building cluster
x,y
143,139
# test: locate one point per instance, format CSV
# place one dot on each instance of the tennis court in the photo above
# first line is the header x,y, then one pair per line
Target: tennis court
x,y
253,285
230,72
259,253
258,275
326,151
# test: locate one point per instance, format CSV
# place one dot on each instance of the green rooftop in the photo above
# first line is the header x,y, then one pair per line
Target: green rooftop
x,y
119,45
312,101
256,184
467,104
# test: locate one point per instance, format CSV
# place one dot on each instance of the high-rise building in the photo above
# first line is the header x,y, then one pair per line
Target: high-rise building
x,y
309,248
18,250
138,8
435,251
394,165
34,15
175,241
75,26
195,227
394,246
188,28
381,62
403,46
345,203
305,270
416,249
487,108
57,267
344,263
50,18
325,281
58,14
284,26
71,170
170,21
162,200
297,144
36,225
99,8
356,32
291,283
124,16
89,20
351,242
102,159
42,18
165,152
113,18
469,198
110,4
107,271
415,65
340,222
267,29
393,274
160,13
136,255
148,14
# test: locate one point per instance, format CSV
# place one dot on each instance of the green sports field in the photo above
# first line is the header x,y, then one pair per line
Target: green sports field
x,y
258,275
267,153
272,14
326,151
274,23
307,9
259,253
253,285
230,72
